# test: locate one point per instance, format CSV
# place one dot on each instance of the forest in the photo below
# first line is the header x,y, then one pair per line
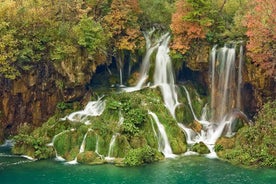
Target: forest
x,y
33,31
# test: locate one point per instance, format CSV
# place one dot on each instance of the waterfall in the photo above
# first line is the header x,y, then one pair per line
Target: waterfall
x,y
93,108
190,103
150,48
121,77
97,147
226,81
213,65
58,158
239,106
164,75
111,147
82,147
226,85
163,141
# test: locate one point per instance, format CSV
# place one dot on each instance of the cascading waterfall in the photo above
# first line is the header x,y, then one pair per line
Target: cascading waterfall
x,y
164,75
240,83
150,48
93,108
121,77
58,158
113,139
190,102
82,147
163,141
225,97
97,147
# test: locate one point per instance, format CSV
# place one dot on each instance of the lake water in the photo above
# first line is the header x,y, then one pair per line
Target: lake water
x,y
185,169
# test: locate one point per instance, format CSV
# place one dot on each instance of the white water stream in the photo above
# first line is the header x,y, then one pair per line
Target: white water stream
x,y
163,141
93,108
224,99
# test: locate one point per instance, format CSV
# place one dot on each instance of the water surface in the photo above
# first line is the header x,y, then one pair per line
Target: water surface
x,y
186,169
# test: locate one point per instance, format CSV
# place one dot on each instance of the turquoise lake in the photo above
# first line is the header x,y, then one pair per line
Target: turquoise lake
x,y
185,169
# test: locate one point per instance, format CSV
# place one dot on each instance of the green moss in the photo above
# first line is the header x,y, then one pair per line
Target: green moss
x,y
89,157
134,133
34,147
138,142
104,145
122,146
91,141
62,143
200,148
149,134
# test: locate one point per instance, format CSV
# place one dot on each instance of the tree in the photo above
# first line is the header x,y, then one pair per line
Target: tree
x,y
8,51
156,13
184,28
260,22
122,22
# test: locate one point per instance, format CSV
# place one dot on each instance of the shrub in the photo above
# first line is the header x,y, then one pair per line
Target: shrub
x,y
141,156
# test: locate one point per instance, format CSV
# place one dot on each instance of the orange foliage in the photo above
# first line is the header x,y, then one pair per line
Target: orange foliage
x,y
261,31
184,31
123,25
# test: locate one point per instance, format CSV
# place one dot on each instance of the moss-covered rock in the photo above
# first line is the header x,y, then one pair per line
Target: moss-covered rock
x,y
89,157
125,117
200,148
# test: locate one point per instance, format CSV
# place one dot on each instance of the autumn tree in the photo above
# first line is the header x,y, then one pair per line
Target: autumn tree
x,y
122,22
190,22
260,22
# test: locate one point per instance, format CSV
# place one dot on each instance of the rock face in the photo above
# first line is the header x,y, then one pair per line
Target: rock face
x,y
32,97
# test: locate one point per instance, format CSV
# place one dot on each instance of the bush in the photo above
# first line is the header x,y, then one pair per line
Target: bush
x,y
256,145
141,156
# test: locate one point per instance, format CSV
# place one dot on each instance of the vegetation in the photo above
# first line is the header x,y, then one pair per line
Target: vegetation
x,y
33,31
261,32
254,145
141,156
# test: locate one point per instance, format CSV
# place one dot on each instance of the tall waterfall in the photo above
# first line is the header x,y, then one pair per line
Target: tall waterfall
x,y
226,85
164,75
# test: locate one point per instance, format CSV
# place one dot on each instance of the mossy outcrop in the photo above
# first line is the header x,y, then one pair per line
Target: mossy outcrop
x,y
125,121
200,148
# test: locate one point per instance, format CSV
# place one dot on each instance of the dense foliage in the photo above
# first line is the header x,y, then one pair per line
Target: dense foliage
x,y
33,31
36,31
261,31
254,145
